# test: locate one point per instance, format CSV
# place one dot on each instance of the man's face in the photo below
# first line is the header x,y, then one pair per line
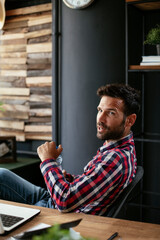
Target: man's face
x,y
110,119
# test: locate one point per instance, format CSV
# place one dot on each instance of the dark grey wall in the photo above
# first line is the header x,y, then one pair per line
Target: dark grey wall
x,y
93,54
93,41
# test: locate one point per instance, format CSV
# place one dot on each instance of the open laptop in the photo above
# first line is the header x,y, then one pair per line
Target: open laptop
x,y
12,216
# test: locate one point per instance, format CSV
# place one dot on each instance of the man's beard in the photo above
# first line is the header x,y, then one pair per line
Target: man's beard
x,y
109,134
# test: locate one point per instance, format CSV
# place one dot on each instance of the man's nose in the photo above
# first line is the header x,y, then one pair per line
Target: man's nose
x,y
102,117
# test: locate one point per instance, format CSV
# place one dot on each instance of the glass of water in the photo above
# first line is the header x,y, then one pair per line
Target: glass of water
x,y
59,160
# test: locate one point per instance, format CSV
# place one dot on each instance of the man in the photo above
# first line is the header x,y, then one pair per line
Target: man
x,y
104,177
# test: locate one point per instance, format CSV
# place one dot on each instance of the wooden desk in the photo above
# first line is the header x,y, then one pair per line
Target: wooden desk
x,y
100,228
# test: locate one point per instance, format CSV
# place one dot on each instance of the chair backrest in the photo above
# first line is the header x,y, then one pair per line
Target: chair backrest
x,y
115,208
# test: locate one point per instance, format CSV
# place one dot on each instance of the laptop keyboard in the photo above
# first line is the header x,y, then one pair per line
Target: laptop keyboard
x,y
8,220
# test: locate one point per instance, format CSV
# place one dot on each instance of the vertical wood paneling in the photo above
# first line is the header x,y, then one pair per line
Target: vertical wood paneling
x,y
25,73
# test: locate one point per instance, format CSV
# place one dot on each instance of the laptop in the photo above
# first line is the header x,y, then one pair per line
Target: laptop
x,y
12,216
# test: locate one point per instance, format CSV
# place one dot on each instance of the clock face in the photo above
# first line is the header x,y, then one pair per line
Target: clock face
x,y
77,4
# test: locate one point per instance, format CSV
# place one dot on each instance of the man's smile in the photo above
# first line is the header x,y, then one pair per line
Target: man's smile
x,y
101,127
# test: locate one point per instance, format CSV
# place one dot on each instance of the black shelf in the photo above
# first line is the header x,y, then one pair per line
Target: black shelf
x,y
143,70
141,13
144,206
147,137
139,68
145,5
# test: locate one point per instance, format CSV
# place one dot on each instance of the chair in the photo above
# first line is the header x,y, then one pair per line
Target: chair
x,y
115,208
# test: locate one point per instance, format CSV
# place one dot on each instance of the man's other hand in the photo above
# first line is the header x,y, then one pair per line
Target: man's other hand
x,y
67,176
48,150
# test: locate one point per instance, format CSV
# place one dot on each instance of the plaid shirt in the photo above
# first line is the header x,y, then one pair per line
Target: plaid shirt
x,y
103,179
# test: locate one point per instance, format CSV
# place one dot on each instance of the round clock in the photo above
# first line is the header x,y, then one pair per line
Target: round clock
x,y
78,4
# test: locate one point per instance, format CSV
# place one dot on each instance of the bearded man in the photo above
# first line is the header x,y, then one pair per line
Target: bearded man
x,y
104,177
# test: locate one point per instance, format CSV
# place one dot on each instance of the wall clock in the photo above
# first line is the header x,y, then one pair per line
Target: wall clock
x,y
2,13
78,4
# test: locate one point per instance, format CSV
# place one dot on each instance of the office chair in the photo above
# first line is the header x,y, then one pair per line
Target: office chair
x,y
115,208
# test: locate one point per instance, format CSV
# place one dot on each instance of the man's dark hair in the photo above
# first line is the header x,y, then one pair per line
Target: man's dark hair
x,y
129,95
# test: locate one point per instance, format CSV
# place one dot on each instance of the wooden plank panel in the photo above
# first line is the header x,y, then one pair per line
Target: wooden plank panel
x,y
5,84
15,108
40,120
14,60
16,81
42,39
13,48
41,90
13,67
38,128
41,98
14,115
15,91
40,27
39,60
16,42
17,30
18,73
36,105
46,55
41,47
19,83
14,101
13,55
40,14
40,20
35,73
25,17
20,136
40,112
29,10
39,81
12,25
38,33
39,66
20,98
12,36
31,29
11,84
39,136
12,124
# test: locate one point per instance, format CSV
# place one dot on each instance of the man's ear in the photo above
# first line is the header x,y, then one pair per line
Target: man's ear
x,y
130,120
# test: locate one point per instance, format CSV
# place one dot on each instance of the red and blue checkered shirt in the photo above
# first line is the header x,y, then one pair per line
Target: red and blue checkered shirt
x,y
103,179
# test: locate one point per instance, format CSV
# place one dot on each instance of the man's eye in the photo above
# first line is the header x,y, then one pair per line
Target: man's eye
x,y
111,113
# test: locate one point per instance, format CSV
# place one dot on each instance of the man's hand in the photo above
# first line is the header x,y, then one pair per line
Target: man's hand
x,y
48,150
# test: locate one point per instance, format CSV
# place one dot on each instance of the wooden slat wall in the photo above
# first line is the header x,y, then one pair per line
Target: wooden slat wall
x,y
25,73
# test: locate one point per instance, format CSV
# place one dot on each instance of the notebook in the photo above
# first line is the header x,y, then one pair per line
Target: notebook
x,y
12,216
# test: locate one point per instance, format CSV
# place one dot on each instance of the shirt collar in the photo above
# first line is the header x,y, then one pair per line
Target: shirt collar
x,y
115,143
